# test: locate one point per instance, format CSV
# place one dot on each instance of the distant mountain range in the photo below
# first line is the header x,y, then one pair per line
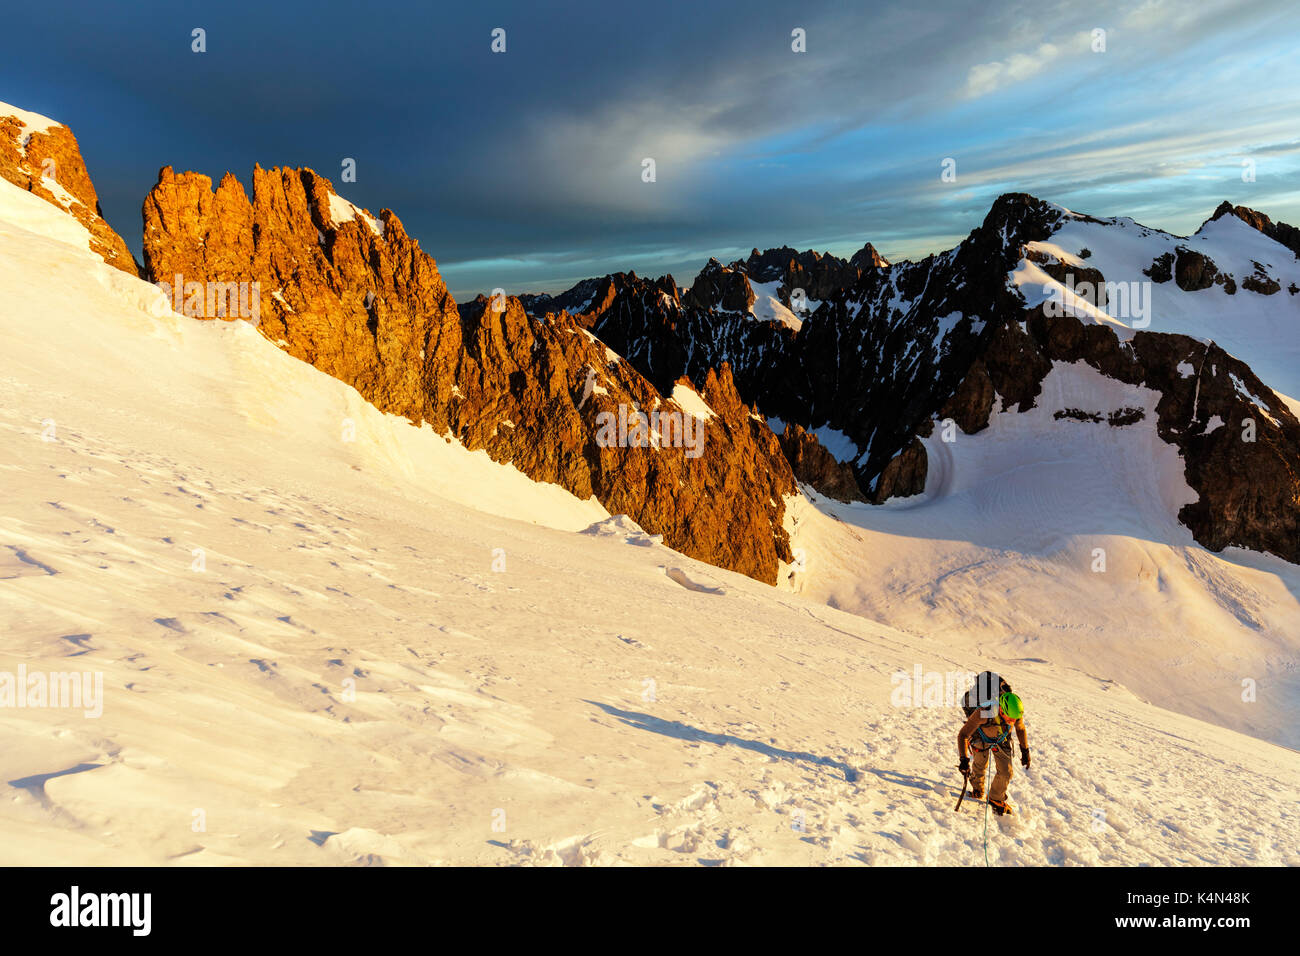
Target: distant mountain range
x,y
788,367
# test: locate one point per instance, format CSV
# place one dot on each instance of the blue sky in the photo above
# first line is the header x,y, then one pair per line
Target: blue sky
x,y
522,169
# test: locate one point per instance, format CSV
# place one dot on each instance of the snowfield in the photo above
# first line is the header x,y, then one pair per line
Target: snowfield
x,y
1261,330
1058,540
767,305
328,637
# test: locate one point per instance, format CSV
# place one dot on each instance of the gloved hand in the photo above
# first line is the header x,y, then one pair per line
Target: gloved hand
x,y
1024,758
964,766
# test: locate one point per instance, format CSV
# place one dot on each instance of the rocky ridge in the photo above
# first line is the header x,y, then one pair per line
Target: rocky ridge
x,y
878,355
355,296
43,157
901,347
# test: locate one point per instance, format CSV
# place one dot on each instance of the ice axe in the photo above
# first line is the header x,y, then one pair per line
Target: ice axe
x,y
965,782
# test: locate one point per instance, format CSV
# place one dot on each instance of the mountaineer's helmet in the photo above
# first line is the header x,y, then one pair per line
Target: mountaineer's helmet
x,y
1011,705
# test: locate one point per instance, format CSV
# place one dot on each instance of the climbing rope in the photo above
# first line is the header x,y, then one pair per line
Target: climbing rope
x,y
986,813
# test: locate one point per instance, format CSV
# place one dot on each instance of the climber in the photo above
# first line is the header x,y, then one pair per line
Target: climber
x,y
983,733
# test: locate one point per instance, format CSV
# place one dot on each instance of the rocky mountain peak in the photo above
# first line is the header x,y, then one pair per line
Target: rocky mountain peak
x,y
357,298
42,157
868,258
543,382
950,337
721,287
1281,232
1017,218
349,293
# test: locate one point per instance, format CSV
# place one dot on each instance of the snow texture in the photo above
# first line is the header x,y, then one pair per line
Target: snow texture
x,y
329,637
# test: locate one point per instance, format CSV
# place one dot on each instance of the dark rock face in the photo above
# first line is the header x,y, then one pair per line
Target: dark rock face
x,y
1162,269
877,358
1239,441
720,287
904,475
1245,471
814,465
819,276
590,295
373,311
47,163
909,344
1261,282
1078,415
1125,416
868,258
971,404
1193,270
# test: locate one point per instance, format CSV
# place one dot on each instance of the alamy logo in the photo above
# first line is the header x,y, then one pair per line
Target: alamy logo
x,y
633,428
923,688
38,689
103,909
1119,300
214,300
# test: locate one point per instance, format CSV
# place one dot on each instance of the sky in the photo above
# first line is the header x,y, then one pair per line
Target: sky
x,y
524,169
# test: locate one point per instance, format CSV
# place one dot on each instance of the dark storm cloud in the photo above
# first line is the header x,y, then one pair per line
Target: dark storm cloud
x,y
522,170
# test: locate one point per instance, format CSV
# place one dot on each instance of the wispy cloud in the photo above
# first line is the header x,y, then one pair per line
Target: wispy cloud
x,y
524,170
987,77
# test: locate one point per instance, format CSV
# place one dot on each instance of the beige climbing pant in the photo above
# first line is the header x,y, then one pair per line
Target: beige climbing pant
x,y
1002,775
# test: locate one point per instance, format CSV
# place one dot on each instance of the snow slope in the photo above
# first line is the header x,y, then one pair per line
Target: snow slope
x,y
32,123
1000,556
342,211
365,669
1002,550
767,305
1261,330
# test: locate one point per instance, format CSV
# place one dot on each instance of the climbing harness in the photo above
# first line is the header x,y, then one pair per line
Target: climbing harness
x,y
991,742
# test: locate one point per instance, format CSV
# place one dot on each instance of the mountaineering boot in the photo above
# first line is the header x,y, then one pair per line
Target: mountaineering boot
x,y
1002,806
